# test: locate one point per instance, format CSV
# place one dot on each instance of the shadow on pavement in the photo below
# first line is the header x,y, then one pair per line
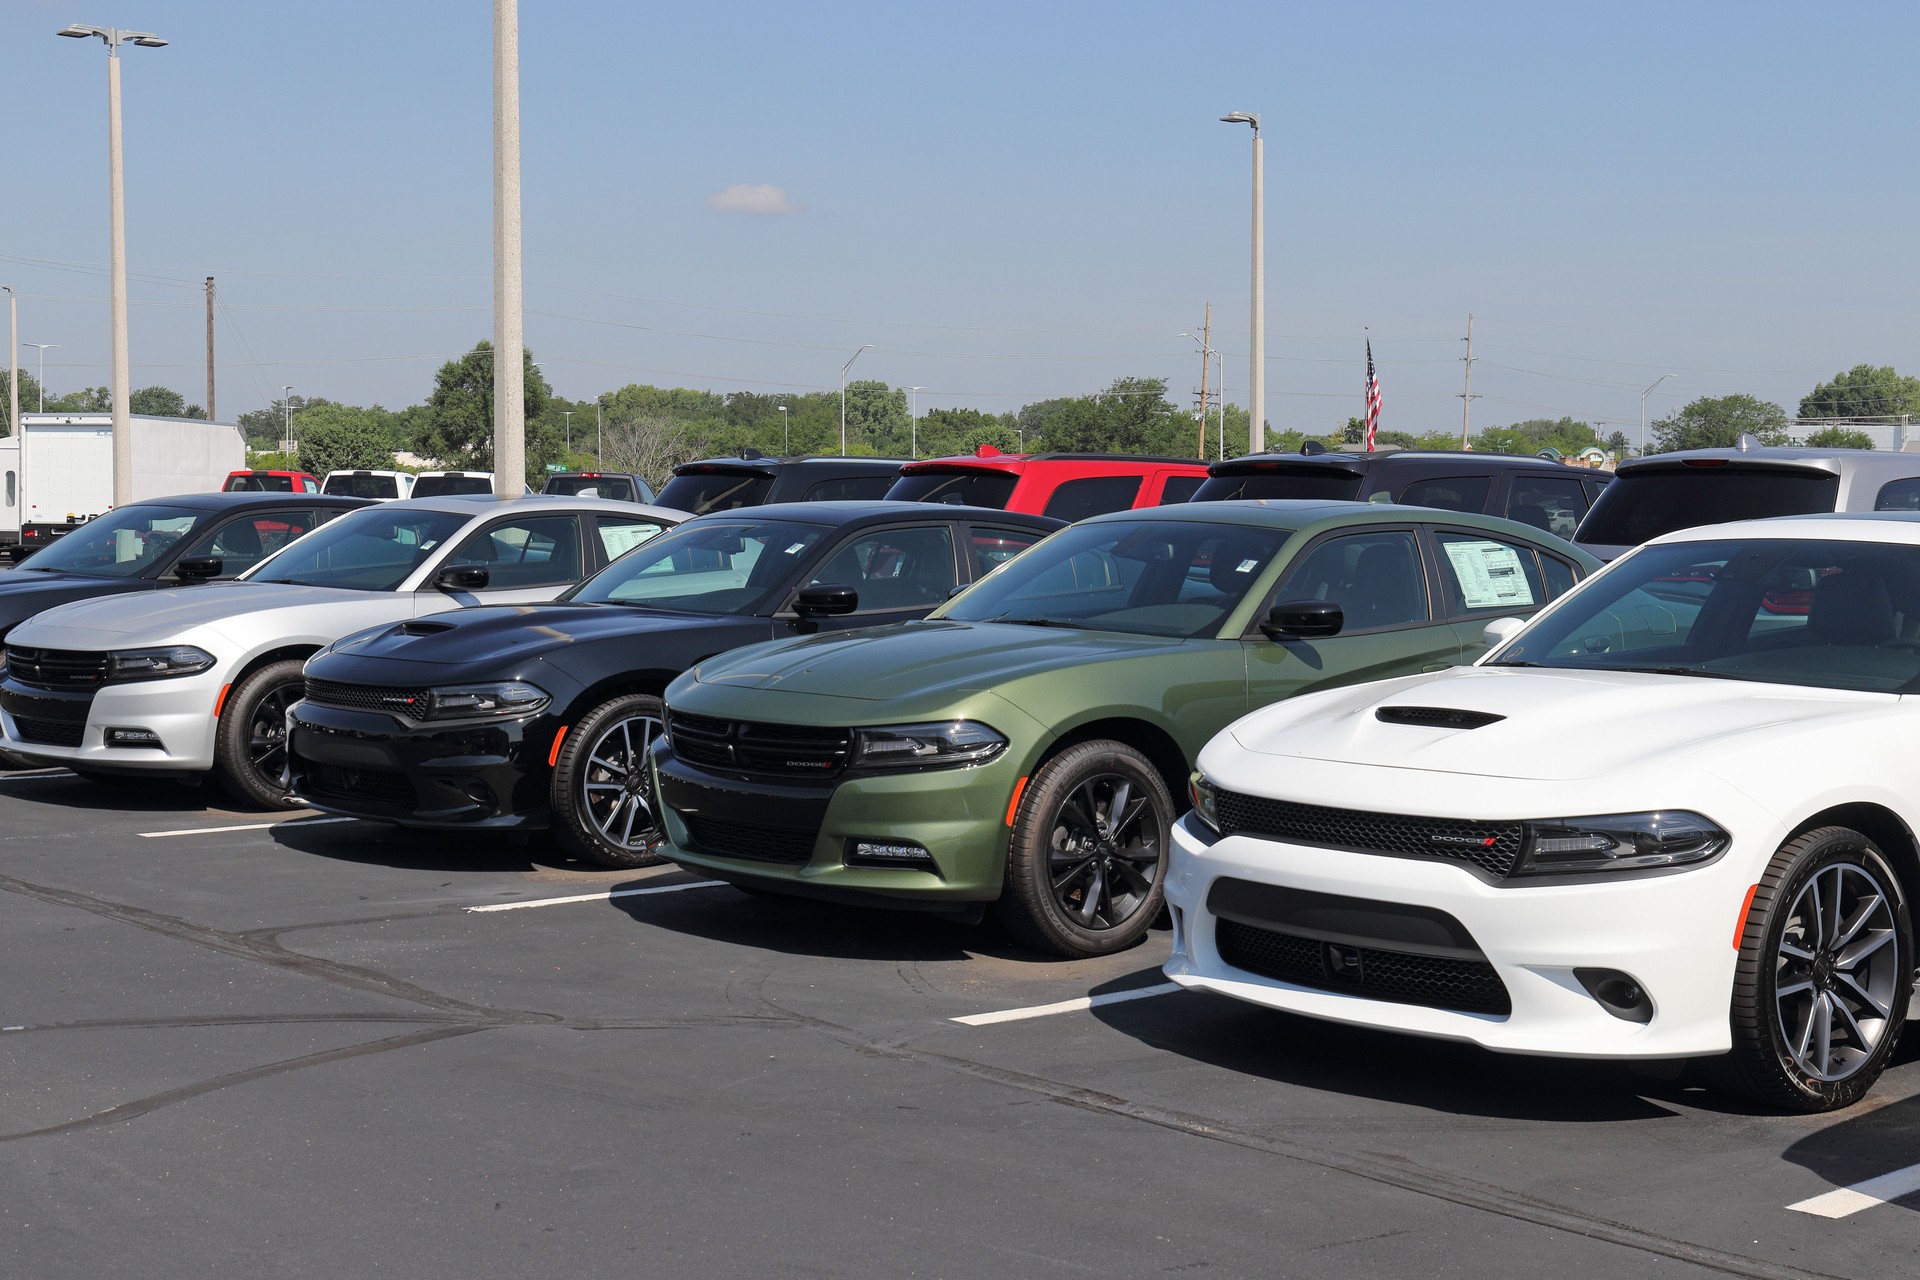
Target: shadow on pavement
x,y
377,844
1864,1143
121,795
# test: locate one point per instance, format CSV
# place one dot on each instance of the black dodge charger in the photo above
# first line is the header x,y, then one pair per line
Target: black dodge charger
x,y
541,716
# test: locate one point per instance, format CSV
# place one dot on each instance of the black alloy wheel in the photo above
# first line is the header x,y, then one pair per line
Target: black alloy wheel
x,y
602,788
1088,859
250,746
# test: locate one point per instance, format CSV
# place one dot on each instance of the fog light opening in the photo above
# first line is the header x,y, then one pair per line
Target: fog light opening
x,y
890,853
1620,994
135,738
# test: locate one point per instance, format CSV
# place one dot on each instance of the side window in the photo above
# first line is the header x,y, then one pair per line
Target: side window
x,y
1456,493
1895,495
240,544
1547,502
539,552
1486,575
621,534
1093,496
893,568
850,489
1180,489
1375,578
1594,489
992,548
1558,574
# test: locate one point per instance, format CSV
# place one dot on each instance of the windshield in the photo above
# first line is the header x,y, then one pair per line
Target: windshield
x,y
441,486
1639,506
729,567
353,486
956,488
704,491
372,549
118,544
1164,578
619,488
1825,614
1322,484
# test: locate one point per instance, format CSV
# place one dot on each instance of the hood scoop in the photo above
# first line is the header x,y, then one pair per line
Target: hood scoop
x,y
1436,717
422,628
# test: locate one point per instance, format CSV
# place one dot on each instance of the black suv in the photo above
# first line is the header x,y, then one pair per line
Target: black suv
x,y
1546,495
752,479
621,486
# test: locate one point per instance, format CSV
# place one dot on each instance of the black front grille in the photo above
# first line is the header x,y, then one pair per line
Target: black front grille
x,y
785,750
1492,846
377,785
1402,977
411,703
744,840
54,733
57,668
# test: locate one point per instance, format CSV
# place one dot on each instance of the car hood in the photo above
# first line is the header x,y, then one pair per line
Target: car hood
x,y
505,635
918,659
162,615
1552,726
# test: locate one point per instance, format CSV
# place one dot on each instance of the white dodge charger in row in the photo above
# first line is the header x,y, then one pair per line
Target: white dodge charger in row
x,y
1672,816
196,679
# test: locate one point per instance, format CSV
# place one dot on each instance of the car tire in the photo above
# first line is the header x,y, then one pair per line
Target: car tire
x,y
602,788
1825,971
1081,882
250,746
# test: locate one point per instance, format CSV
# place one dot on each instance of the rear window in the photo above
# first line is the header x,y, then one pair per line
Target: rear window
x,y
363,486
258,482
849,489
618,488
1641,505
704,491
956,488
1092,496
1180,488
1320,484
441,486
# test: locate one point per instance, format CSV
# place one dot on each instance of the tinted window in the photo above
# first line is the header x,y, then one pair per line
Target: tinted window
x,y
618,488
373,549
1485,573
1552,503
704,491
1180,488
352,486
1594,489
621,534
1559,575
1449,493
1283,481
245,542
118,544
707,566
259,482
1899,495
893,569
849,489
540,552
441,486
1375,578
981,488
994,547
1093,496
1640,505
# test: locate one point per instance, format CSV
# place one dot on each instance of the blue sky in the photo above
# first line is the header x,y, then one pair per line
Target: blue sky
x,y
1010,201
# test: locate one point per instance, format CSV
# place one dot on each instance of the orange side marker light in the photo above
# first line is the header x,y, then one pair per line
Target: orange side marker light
x,y
1013,804
221,701
1746,905
558,738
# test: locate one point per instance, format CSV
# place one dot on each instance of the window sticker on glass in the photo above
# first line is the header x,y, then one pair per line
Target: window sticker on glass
x,y
620,539
1490,575
1245,566
796,548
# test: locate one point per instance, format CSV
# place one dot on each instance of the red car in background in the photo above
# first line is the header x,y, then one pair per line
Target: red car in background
x,y
1066,486
270,482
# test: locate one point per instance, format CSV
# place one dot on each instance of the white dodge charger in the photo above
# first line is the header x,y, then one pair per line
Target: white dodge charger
x,y
1672,816
196,679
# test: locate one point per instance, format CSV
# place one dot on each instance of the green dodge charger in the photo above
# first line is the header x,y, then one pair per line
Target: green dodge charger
x,y
1029,744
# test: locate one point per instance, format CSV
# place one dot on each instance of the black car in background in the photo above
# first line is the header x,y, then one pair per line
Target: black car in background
x,y
1547,495
540,716
752,480
621,486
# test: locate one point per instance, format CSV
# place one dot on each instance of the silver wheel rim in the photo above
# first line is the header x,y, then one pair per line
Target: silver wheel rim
x,y
1836,972
616,788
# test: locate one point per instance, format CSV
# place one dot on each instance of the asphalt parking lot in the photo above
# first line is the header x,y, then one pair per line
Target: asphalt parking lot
x,y
285,1046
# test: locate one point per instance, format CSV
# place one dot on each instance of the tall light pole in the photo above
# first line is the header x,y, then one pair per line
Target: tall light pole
x,y
286,415
1257,392
843,396
13,360
786,441
913,424
509,322
599,403
568,415
41,377
117,248
1643,409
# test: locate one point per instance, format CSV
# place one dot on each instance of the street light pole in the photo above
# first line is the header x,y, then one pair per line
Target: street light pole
x,y
1643,409
286,415
1257,392
509,372
913,425
13,360
117,249
843,396
568,415
41,377
786,441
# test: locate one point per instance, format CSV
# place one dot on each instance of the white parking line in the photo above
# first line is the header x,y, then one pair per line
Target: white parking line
x,y
1862,1195
245,826
1066,1006
597,897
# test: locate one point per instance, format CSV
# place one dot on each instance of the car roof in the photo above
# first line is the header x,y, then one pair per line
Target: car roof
x,y
1844,526
1831,461
842,514
1019,462
811,462
1396,460
1315,514
223,501
488,504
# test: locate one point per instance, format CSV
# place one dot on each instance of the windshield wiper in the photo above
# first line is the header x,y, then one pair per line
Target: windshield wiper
x,y
1042,622
1678,671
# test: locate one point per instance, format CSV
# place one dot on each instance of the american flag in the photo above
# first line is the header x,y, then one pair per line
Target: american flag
x,y
1373,397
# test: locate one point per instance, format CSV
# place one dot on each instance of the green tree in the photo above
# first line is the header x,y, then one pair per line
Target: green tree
x,y
30,393
1864,391
163,402
1717,422
1618,445
338,437
85,400
460,421
1839,438
1564,434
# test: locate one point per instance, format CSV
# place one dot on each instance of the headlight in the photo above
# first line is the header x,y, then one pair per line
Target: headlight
x,y
1205,803
157,664
1618,842
467,701
941,745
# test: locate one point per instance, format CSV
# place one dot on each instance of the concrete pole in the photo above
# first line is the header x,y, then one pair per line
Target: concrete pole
x,y
509,334
117,256
1257,396
210,413
13,360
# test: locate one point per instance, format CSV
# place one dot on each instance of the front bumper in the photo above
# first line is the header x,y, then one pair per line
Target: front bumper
x,y
366,764
1672,934
69,726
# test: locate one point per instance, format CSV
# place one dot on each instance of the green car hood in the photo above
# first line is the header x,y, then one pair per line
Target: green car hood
x,y
923,661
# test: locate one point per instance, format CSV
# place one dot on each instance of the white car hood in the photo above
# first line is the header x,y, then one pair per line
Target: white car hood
x,y
160,617
1557,726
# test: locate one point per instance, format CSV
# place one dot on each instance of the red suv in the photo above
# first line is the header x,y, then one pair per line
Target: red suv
x,y
270,482
1066,486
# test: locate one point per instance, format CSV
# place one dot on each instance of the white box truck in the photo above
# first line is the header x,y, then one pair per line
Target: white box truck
x,y
57,472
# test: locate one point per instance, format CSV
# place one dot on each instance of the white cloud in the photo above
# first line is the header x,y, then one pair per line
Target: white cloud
x,y
743,197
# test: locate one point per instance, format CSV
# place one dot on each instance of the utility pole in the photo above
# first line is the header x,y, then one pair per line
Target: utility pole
x,y
509,321
913,423
210,414
1467,397
1206,350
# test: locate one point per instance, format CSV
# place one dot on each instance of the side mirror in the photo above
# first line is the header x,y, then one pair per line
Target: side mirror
x,y
958,587
461,577
1303,620
832,598
1501,630
198,568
